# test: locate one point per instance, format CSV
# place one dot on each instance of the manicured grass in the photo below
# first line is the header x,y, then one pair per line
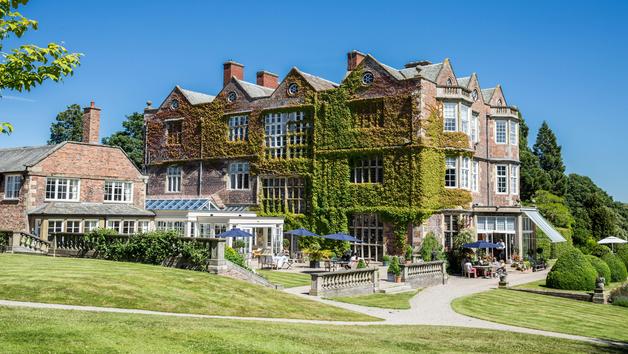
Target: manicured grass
x,y
44,331
540,285
547,313
139,286
287,279
400,301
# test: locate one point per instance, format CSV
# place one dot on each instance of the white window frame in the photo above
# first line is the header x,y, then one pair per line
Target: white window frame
x,y
367,170
475,175
505,133
239,176
171,225
87,225
12,186
514,179
448,166
465,173
450,108
238,128
143,226
475,127
125,197
513,133
74,222
109,225
174,180
123,227
465,119
55,221
503,176
68,189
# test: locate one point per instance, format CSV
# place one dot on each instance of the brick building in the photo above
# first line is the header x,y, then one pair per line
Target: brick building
x,y
72,187
388,155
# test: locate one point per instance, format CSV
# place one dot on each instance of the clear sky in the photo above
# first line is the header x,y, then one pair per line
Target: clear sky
x,y
560,61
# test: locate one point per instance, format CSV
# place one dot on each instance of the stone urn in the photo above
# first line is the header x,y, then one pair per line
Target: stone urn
x,y
599,284
503,280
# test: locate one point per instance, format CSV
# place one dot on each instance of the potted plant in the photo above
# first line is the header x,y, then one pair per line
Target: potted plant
x,y
361,264
395,270
408,255
385,260
316,255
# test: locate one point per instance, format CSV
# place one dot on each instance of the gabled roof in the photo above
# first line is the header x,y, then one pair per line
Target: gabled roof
x,y
464,81
487,94
318,83
431,71
18,159
195,97
253,90
89,209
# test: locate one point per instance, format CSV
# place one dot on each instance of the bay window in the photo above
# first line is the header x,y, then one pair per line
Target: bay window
x,y
450,111
465,173
12,185
502,179
514,179
464,119
62,189
514,130
451,172
500,131
118,191
239,175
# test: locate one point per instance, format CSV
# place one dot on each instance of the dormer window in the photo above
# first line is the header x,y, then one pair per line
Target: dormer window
x,y
368,78
293,89
232,96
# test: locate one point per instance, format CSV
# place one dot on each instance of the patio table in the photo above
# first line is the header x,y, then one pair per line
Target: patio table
x,y
484,268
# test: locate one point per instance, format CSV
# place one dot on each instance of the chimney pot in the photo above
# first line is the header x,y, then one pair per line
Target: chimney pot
x,y
232,69
354,58
91,124
267,79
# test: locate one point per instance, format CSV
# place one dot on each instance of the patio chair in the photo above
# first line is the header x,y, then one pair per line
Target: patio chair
x,y
470,270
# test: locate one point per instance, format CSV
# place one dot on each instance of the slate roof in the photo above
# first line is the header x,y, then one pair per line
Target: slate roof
x,y
196,97
487,94
253,90
18,159
89,209
464,81
431,71
318,83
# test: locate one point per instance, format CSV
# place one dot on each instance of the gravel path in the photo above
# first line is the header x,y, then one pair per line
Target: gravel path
x,y
430,307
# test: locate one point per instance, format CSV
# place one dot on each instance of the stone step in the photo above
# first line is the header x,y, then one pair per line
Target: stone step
x,y
396,289
26,250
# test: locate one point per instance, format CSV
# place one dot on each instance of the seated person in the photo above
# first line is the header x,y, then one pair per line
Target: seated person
x,y
353,261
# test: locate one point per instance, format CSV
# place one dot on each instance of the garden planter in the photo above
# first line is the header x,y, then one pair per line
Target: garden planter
x,y
385,263
315,264
397,278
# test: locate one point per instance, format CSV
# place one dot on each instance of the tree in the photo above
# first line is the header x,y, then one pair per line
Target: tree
x,y
27,66
554,208
548,151
131,139
533,177
68,125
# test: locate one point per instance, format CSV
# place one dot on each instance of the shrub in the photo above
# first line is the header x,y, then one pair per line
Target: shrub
x,y
599,250
621,301
457,252
601,267
408,255
618,268
361,264
394,267
622,253
234,257
619,296
559,248
572,271
429,246
386,258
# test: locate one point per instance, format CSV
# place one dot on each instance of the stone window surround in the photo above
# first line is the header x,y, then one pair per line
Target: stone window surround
x,y
56,193
13,194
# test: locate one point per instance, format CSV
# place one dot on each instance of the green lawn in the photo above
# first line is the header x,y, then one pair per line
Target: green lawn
x,y
540,285
400,301
139,286
44,331
287,279
547,313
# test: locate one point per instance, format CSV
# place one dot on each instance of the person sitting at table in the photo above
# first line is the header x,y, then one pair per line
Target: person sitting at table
x,y
352,261
469,270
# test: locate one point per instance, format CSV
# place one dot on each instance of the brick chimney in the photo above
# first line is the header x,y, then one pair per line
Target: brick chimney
x,y
232,69
267,79
91,124
354,58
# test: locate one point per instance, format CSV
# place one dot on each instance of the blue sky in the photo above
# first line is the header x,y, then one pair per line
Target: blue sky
x,y
564,62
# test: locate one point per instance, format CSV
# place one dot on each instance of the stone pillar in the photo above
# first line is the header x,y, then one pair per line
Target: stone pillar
x,y
599,297
317,285
375,279
443,269
217,263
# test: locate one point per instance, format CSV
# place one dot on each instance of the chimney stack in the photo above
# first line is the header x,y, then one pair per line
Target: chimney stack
x,y
91,124
414,64
267,79
232,69
354,58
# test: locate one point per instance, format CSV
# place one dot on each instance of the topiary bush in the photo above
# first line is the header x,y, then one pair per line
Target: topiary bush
x,y
394,267
559,248
618,268
599,250
572,271
601,267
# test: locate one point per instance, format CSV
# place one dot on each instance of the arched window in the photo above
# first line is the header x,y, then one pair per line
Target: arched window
x,y
449,82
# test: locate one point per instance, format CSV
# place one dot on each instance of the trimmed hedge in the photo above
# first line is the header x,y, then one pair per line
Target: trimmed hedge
x,y
618,268
572,271
601,267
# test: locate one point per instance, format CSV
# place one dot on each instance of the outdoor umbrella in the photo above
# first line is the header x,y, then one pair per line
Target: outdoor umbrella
x,y
481,244
341,237
612,240
299,232
234,233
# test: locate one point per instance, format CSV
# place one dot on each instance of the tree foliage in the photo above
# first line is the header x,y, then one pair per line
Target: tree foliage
x,y
533,177
554,208
68,125
548,151
28,65
131,138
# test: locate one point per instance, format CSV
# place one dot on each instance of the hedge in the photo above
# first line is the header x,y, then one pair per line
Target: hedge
x,y
622,253
618,268
572,271
601,267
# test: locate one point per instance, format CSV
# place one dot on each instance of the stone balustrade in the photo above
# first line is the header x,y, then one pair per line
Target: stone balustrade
x,y
507,112
424,274
345,282
24,242
454,92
